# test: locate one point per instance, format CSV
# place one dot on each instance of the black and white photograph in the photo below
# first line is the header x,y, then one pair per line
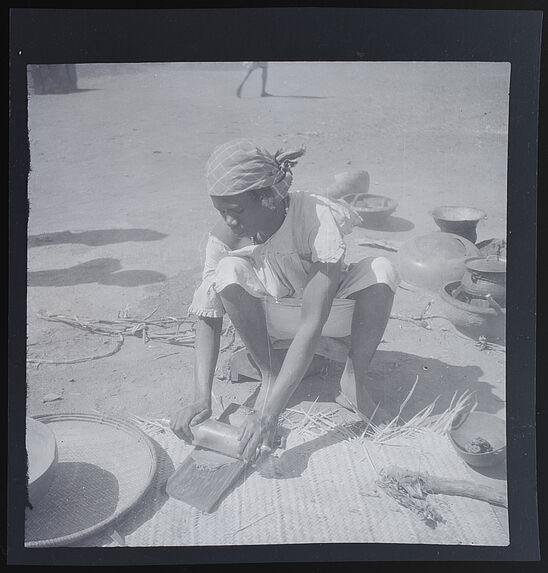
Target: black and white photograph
x,y
266,303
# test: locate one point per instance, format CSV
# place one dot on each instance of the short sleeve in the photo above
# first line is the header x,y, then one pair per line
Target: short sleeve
x,y
206,301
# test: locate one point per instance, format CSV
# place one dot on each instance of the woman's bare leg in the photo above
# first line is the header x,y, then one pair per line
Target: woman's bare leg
x,y
371,314
247,315
264,78
239,90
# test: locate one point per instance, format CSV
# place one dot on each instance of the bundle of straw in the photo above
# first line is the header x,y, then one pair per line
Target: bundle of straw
x,y
409,494
312,423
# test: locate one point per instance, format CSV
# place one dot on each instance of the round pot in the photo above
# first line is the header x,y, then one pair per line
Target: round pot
x,y
348,182
484,277
431,261
470,320
459,220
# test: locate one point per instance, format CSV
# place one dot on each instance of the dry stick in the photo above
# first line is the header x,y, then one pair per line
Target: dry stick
x,y
149,315
165,355
78,360
251,523
446,486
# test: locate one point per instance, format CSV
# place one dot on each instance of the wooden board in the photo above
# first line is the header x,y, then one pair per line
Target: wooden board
x,y
201,487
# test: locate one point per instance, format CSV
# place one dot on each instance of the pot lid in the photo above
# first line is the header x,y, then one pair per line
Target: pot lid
x,y
488,265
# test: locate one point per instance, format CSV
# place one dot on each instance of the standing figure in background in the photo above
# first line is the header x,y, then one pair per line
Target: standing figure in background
x,y
255,66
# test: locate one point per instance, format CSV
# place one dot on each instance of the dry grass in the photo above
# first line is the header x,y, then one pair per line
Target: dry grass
x,y
150,427
312,423
423,420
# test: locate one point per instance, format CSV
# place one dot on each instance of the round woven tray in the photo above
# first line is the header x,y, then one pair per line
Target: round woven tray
x,y
105,466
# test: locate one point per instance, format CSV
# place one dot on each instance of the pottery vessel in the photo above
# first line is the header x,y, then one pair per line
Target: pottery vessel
x,y
484,277
431,261
473,321
462,221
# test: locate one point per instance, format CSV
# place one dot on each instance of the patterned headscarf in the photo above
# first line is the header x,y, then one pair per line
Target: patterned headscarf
x,y
241,165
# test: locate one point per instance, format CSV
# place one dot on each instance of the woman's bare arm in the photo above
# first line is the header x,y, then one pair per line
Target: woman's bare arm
x,y
208,336
317,300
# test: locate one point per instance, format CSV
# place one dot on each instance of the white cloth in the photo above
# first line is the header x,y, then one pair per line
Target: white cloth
x,y
312,231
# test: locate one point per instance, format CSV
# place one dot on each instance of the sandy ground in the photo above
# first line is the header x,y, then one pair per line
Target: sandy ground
x,y
119,214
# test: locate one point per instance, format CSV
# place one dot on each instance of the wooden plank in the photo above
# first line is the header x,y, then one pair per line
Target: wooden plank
x,y
201,486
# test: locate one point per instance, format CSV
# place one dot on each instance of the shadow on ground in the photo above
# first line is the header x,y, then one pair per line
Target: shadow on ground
x,y
391,377
391,224
94,238
81,497
146,507
103,271
290,96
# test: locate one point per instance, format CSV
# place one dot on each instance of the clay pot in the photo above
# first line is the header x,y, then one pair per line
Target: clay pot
x,y
373,209
473,321
459,220
484,277
348,182
431,261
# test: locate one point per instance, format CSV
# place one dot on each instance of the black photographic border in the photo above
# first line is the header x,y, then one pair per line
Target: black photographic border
x,y
298,34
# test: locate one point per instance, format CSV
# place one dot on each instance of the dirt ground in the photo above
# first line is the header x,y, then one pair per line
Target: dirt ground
x,y
119,214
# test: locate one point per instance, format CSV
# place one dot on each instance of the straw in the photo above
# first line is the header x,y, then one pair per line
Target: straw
x,y
422,420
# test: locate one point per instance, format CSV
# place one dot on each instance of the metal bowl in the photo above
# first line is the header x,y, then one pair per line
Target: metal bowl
x,y
431,261
469,426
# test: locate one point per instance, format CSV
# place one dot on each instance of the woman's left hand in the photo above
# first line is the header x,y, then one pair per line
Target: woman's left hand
x,y
256,431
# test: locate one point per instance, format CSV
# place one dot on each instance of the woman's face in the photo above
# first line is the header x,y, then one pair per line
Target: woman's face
x,y
245,214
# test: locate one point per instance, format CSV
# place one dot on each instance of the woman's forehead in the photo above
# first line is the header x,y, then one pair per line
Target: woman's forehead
x,y
231,201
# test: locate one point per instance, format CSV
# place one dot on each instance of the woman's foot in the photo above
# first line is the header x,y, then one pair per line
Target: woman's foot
x,y
355,397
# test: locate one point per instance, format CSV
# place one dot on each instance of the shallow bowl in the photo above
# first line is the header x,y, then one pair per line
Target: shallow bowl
x,y
482,425
373,209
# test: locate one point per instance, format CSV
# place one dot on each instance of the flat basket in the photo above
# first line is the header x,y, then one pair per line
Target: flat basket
x,y
105,466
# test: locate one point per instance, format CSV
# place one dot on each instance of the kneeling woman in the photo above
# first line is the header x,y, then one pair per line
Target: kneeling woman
x,y
273,243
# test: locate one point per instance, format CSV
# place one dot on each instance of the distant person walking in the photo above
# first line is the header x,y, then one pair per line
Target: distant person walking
x,y
255,66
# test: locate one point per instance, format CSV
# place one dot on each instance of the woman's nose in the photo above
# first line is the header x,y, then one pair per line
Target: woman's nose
x,y
231,221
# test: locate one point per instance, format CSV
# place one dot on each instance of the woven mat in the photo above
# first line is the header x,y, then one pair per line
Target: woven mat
x,y
103,468
319,491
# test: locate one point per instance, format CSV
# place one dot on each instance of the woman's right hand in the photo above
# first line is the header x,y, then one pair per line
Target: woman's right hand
x,y
183,419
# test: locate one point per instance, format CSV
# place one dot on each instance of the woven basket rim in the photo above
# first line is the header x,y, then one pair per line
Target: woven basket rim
x,y
117,423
